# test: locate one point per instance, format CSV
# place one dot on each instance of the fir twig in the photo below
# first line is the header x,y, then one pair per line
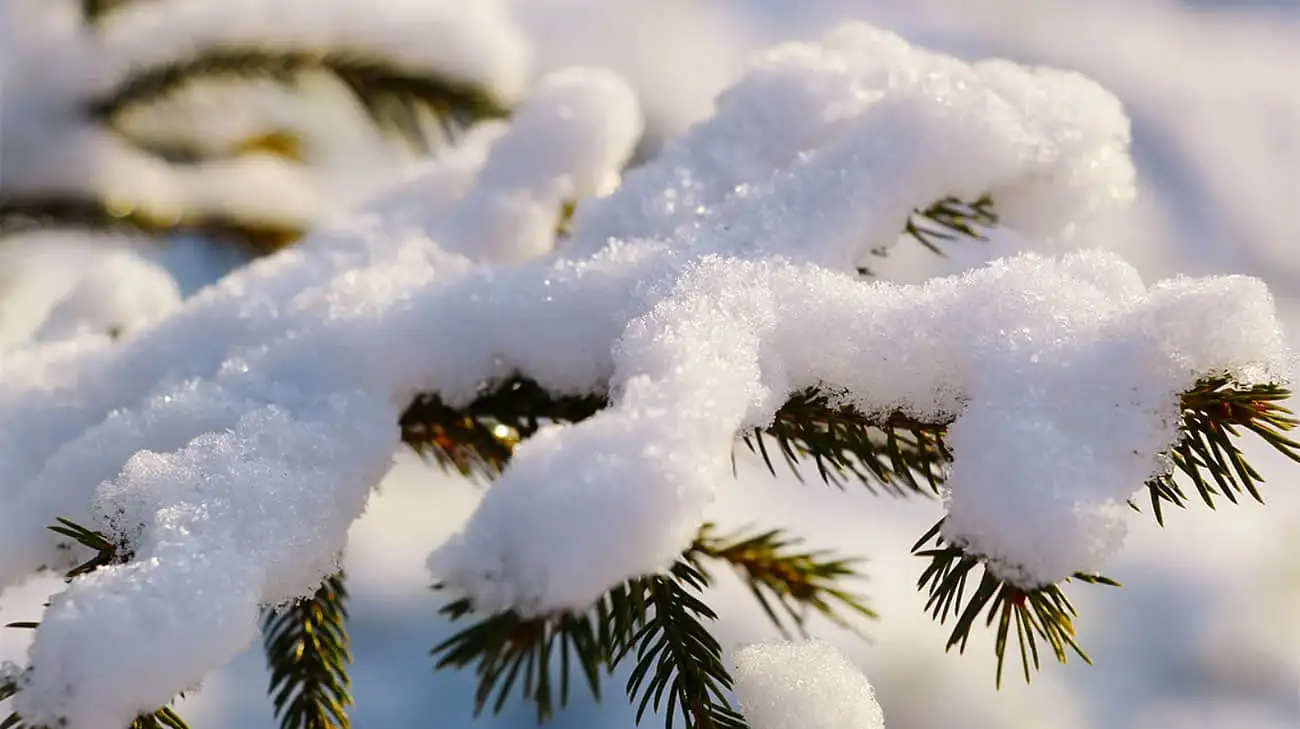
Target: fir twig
x,y
943,221
949,219
1036,612
164,718
387,91
20,215
678,657
899,455
1214,415
507,647
783,577
306,645
479,438
657,618
106,550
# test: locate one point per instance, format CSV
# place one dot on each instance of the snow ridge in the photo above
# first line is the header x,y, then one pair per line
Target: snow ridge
x,y
231,442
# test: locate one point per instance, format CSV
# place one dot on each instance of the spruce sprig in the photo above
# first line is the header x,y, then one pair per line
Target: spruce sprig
x,y
950,219
898,455
25,213
660,620
1215,414
1035,612
390,93
788,582
677,656
946,220
508,649
307,651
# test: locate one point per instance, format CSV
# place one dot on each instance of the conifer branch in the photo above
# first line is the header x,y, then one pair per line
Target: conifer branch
x,y
387,91
107,552
949,219
782,577
25,214
900,456
944,221
1036,612
503,646
661,619
677,655
95,11
479,438
306,645
1214,415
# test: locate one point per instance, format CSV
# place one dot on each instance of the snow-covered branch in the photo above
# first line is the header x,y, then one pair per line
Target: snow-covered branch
x,y
232,441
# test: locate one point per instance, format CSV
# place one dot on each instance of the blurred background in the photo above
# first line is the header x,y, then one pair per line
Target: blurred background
x,y
1206,631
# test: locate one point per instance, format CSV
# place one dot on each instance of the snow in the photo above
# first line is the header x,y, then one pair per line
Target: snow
x,y
52,146
232,443
803,686
568,142
898,127
122,292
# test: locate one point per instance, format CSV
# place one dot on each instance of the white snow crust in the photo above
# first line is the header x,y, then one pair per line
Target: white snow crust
x,y
810,685
231,440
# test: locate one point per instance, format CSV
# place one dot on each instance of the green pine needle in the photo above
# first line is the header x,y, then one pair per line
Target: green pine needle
x,y
788,583
106,551
950,219
508,649
899,456
1215,414
25,214
1037,612
306,645
944,221
677,656
391,94
164,718
477,440
658,620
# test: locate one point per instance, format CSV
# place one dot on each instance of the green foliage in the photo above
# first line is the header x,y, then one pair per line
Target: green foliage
x,y
306,645
477,440
1037,612
783,577
20,214
677,655
899,456
508,648
894,455
95,11
391,94
660,622
946,220
951,219
1215,414
416,106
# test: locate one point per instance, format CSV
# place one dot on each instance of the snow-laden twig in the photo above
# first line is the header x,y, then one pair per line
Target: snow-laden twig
x,y
231,443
